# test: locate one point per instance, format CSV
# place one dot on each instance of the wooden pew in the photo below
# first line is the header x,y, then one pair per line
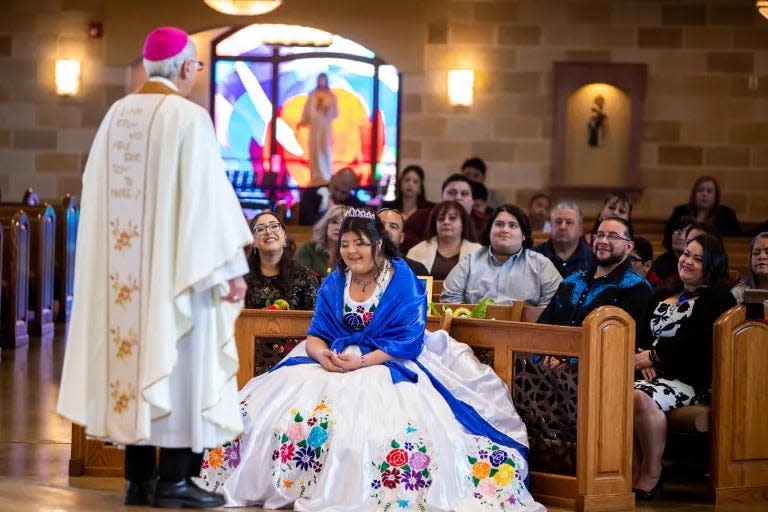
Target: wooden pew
x,y
603,479
67,218
739,440
15,276
42,220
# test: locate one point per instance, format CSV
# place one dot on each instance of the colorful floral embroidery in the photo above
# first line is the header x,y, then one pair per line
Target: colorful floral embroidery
x,y
404,475
125,343
122,398
125,289
218,462
358,317
301,449
494,476
123,236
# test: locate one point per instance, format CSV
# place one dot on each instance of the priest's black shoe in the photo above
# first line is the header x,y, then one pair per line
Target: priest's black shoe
x,y
185,494
140,493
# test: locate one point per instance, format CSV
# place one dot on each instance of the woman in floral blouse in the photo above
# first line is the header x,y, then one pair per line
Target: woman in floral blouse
x,y
273,273
370,413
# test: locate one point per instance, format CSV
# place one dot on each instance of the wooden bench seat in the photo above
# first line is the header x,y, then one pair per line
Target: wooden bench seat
x,y
67,219
15,275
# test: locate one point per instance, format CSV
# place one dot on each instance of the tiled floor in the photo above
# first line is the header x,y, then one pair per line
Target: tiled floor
x,y
34,446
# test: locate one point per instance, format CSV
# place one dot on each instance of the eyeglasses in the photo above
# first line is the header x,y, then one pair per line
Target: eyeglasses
x,y
275,227
634,259
611,236
198,64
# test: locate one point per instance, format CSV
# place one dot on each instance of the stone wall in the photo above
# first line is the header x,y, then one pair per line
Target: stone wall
x,y
705,110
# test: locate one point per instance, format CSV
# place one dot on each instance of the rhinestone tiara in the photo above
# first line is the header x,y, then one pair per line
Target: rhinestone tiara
x,y
360,213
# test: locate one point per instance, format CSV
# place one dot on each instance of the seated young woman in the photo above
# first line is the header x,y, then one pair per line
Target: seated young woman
x,y
367,414
273,273
675,360
505,268
449,237
758,267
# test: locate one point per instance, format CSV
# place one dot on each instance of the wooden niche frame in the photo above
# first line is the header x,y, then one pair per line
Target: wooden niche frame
x,y
631,79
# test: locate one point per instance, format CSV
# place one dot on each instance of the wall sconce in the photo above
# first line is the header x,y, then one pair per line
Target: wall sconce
x,y
461,84
244,7
67,77
762,7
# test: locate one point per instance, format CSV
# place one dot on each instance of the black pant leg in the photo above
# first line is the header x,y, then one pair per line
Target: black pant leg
x,y
195,464
140,462
175,464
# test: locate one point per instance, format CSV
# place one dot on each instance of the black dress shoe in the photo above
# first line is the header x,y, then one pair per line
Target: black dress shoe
x,y
185,494
140,493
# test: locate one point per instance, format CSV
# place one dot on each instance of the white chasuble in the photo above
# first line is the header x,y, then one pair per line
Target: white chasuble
x,y
151,357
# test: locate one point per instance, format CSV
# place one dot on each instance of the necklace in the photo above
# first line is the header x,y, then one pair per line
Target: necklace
x,y
364,283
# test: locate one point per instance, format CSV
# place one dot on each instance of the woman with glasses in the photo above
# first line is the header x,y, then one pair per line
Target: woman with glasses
x,y
758,267
371,413
273,273
316,254
675,355
663,273
449,238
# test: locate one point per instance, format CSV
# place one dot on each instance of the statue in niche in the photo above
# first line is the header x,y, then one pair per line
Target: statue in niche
x,y
596,121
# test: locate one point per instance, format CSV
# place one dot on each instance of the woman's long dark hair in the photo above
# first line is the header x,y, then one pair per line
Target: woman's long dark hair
x,y
373,230
714,261
287,264
421,199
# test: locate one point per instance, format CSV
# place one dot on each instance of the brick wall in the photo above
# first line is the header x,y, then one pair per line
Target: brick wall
x,y
706,109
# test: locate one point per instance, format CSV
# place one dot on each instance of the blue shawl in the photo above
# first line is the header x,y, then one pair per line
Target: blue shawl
x,y
397,328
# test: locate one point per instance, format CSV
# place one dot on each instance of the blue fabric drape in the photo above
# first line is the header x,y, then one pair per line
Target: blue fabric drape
x,y
397,328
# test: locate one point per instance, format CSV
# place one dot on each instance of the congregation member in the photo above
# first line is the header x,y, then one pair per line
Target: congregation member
x,y
505,268
316,254
393,223
273,273
758,267
409,192
449,238
538,212
151,358
476,171
675,358
566,247
641,257
456,187
617,204
315,201
609,282
663,273
317,436
704,206
480,199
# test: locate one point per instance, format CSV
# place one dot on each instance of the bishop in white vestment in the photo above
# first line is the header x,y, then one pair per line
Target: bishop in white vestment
x,y
151,357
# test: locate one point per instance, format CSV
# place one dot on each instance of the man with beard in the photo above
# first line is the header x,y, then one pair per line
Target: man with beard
x,y
609,282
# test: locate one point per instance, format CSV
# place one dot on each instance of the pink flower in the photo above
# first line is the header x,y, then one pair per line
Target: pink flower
x,y
419,461
487,488
296,432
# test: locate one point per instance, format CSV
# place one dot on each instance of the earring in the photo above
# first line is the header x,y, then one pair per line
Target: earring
x,y
285,244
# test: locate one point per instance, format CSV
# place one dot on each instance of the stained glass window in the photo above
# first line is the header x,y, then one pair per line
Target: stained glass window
x,y
263,77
